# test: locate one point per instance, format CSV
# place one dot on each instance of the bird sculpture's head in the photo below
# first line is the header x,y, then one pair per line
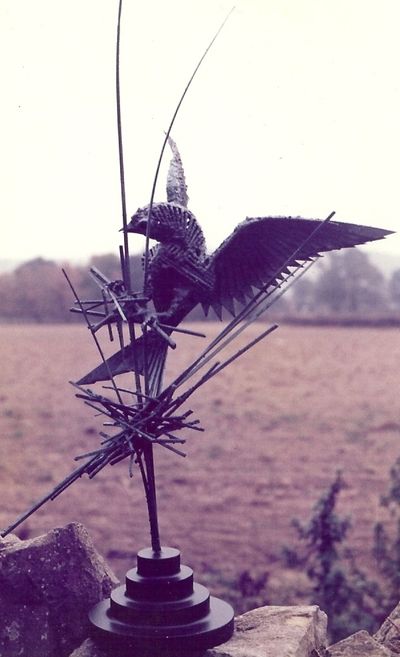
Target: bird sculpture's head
x,y
139,221
169,222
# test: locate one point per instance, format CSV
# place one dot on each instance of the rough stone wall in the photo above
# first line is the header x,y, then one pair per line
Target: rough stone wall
x,y
48,584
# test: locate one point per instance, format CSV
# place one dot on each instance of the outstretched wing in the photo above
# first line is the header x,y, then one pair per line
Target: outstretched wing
x,y
260,249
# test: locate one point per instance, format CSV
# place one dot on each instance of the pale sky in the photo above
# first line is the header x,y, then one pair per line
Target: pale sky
x,y
295,111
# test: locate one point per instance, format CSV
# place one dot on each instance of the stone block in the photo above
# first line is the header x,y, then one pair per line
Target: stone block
x,y
389,632
276,631
360,644
47,586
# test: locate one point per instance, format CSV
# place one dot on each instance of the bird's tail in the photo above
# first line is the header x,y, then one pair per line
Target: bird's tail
x,y
145,355
176,183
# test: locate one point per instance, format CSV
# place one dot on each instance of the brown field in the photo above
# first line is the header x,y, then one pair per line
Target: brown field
x,y
280,422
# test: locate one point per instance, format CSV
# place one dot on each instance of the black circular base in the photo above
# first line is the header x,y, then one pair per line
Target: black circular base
x,y
160,611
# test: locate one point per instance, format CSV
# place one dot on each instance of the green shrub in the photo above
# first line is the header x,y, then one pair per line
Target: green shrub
x,y
338,587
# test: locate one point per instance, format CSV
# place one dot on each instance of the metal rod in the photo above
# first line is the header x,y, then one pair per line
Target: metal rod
x,y
126,268
93,313
240,352
197,334
152,498
110,332
75,474
126,273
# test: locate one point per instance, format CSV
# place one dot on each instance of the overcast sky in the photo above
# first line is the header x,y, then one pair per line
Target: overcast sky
x,y
295,111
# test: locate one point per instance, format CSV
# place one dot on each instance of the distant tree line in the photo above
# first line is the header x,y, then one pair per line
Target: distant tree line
x,y
347,284
37,290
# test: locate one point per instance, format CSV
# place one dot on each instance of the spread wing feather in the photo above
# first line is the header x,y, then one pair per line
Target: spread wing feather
x,y
260,249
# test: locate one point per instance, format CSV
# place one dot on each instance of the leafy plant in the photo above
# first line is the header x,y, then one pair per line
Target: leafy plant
x,y
386,547
249,591
343,591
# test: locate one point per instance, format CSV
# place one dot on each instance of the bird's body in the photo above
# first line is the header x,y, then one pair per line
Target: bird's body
x,y
259,252
179,273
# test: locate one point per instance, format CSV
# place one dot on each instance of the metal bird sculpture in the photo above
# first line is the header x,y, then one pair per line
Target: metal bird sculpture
x,y
250,267
257,255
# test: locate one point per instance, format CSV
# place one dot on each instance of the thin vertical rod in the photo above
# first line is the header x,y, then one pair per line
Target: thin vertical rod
x,y
126,268
152,498
150,488
125,262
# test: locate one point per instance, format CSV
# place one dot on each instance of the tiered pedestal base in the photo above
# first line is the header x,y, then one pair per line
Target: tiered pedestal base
x,y
160,610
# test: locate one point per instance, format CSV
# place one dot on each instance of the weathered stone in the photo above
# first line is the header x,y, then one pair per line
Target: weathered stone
x,y
89,649
360,644
47,586
273,631
263,632
389,633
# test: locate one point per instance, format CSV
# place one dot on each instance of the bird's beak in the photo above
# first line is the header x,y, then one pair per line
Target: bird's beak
x,y
137,225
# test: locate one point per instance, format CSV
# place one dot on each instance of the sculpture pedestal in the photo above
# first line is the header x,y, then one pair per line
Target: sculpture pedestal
x,y
160,610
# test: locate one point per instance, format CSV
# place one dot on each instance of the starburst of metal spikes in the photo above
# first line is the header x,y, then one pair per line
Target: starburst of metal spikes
x,y
138,423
